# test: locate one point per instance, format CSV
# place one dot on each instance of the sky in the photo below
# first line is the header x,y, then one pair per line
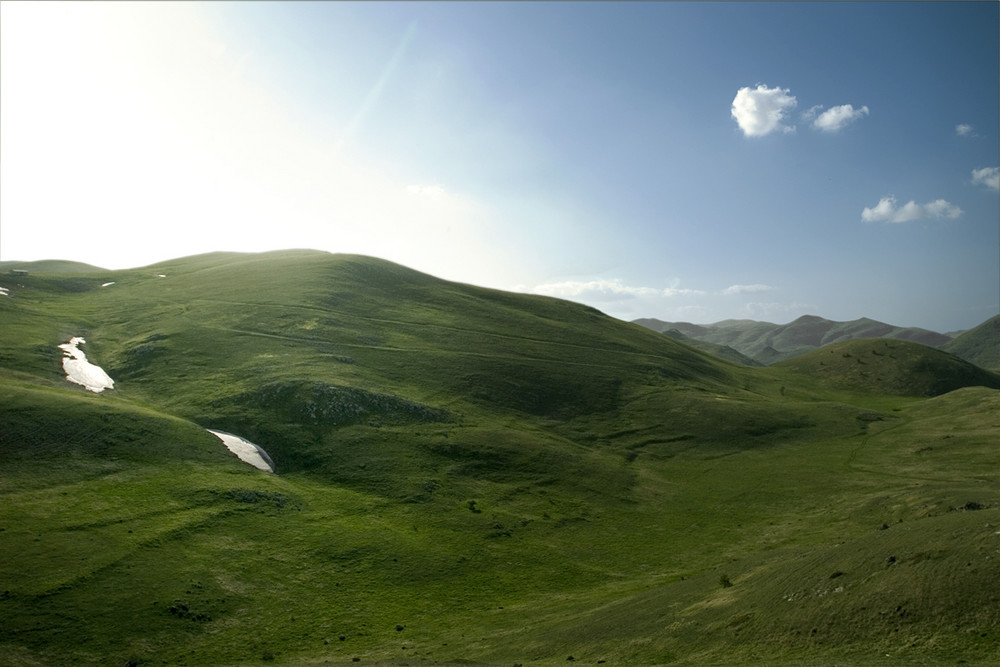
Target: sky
x,y
676,160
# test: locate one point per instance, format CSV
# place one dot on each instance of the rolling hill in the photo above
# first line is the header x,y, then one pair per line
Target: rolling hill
x,y
50,266
722,351
465,475
887,366
980,346
767,343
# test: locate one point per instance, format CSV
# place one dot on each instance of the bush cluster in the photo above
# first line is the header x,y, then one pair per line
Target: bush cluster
x,y
319,402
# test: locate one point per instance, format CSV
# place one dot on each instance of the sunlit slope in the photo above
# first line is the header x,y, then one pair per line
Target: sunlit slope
x,y
293,349
464,475
884,366
50,266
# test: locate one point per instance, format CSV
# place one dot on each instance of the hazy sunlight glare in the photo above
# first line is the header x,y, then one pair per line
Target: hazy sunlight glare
x,y
605,151
146,127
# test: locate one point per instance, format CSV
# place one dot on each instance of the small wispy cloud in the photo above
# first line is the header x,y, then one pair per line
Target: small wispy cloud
x,y
988,176
760,111
836,118
746,289
809,114
964,130
607,290
887,211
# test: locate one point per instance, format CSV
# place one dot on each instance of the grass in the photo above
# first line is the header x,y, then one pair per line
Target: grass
x,y
888,366
506,478
979,345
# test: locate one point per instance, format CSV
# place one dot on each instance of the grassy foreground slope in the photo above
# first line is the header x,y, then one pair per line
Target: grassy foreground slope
x,y
465,475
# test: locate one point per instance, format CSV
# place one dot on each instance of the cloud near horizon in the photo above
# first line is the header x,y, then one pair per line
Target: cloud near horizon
x,y
760,111
887,211
607,290
988,176
746,289
964,130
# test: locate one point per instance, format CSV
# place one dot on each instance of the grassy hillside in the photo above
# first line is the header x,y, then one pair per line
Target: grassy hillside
x,y
721,351
767,343
891,367
980,346
465,476
51,266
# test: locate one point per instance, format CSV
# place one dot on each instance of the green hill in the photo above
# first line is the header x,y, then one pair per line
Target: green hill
x,y
50,266
891,367
980,346
767,343
721,351
467,476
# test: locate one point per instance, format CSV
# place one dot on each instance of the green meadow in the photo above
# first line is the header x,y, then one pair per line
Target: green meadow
x,y
469,476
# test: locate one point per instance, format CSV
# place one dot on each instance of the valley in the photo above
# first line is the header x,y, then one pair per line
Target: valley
x,y
470,476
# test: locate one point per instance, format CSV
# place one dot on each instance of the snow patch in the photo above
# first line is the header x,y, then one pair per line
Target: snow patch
x,y
245,450
108,284
4,291
81,371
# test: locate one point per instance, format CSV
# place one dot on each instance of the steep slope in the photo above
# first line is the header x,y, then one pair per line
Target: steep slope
x,y
890,367
980,346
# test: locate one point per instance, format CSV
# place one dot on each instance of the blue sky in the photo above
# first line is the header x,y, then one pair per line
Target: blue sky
x,y
684,161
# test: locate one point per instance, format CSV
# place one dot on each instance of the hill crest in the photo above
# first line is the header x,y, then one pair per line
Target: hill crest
x,y
768,343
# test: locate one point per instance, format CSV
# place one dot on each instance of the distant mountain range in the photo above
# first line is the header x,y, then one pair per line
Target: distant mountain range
x,y
763,343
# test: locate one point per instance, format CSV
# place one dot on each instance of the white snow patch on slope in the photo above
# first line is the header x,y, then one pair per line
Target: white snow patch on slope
x,y
245,450
81,371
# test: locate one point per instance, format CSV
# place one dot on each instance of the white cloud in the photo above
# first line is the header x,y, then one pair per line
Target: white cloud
x,y
760,111
811,113
838,117
964,130
746,289
886,211
988,176
607,290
